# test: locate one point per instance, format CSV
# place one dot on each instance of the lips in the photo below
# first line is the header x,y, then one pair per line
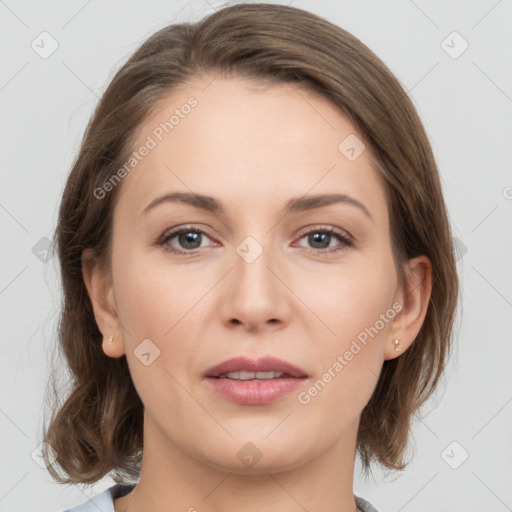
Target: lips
x,y
246,381
265,364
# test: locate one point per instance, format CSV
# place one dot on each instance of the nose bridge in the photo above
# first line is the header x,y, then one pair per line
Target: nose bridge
x,y
252,262
256,294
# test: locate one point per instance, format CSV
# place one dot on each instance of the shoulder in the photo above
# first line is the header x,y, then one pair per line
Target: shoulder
x,y
103,501
365,505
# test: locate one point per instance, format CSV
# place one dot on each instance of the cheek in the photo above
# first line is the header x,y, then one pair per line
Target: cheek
x,y
164,304
351,362
153,299
350,298
356,304
157,309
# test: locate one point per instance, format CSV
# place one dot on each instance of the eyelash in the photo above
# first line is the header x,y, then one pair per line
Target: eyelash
x,y
345,239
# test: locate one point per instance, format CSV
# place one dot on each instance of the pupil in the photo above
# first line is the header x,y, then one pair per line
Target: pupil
x,y
317,237
190,237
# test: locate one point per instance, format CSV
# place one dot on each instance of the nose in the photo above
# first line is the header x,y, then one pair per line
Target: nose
x,y
256,296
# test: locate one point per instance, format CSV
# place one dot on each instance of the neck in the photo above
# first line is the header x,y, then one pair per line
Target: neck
x,y
174,479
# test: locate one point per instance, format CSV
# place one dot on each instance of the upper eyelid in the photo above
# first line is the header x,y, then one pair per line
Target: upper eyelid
x,y
324,227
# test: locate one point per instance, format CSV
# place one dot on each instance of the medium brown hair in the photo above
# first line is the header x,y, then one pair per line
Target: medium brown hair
x,y
98,428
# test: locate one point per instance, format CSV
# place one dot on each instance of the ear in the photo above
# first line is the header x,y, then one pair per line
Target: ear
x,y
414,299
101,293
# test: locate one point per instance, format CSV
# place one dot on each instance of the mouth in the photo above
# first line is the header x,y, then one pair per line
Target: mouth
x,y
243,368
249,382
254,375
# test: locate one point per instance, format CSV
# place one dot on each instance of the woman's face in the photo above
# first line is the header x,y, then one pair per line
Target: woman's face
x,y
257,275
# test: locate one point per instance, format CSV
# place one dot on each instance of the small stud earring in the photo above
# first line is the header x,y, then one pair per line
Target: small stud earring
x,y
396,341
110,340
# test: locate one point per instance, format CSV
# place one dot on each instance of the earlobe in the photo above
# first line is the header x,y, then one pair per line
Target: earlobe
x,y
112,347
100,290
414,298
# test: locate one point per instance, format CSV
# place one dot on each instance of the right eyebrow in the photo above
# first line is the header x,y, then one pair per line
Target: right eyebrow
x,y
197,200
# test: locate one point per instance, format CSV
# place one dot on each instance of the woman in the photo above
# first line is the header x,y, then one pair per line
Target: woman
x,y
258,274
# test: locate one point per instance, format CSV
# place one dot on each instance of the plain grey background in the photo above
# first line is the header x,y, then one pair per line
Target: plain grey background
x,y
453,59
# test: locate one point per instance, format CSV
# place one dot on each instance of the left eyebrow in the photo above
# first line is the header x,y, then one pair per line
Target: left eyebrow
x,y
297,204
303,203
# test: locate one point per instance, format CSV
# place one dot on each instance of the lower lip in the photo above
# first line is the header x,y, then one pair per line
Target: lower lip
x,y
255,392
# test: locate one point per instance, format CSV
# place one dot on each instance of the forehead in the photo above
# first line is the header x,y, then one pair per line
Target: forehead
x,y
245,141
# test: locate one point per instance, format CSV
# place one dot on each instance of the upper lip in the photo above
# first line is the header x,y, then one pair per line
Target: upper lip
x,y
264,364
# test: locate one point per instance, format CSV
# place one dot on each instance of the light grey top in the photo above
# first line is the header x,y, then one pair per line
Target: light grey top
x,y
104,502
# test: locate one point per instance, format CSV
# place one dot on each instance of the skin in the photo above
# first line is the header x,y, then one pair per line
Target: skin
x,y
252,147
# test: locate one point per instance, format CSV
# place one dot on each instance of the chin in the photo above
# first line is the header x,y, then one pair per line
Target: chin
x,y
252,455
